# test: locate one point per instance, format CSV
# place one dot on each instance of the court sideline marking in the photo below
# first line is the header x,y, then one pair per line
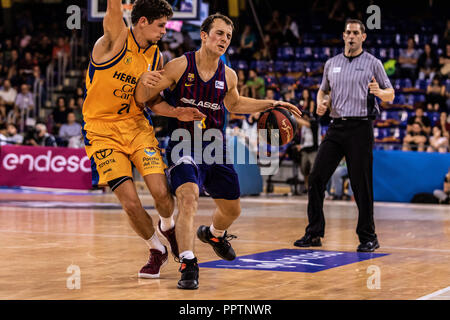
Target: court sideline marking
x,y
434,294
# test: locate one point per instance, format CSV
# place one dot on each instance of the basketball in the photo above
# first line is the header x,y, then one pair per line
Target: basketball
x,y
278,118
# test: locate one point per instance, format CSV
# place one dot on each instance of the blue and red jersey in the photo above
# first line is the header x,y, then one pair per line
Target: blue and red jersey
x,y
207,97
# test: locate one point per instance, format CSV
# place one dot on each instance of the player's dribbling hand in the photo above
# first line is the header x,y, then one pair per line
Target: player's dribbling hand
x,y
293,109
189,114
151,78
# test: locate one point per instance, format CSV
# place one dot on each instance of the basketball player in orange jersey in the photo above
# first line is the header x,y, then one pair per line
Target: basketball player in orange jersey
x,y
202,80
117,132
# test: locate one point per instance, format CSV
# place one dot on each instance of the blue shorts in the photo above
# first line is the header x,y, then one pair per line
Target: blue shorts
x,y
220,181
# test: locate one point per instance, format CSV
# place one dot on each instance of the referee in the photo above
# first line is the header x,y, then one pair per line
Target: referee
x,y
354,78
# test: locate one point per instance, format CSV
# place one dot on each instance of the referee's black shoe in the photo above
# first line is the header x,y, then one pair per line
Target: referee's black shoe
x,y
368,246
220,245
308,241
189,274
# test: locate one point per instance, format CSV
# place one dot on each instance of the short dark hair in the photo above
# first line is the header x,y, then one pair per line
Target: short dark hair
x,y
151,9
361,25
207,23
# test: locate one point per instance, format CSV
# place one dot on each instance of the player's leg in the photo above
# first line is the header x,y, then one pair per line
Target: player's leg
x,y
184,181
148,160
164,204
113,167
138,218
222,184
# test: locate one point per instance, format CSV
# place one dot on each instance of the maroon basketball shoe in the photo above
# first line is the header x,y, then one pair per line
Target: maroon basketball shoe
x,y
170,236
154,265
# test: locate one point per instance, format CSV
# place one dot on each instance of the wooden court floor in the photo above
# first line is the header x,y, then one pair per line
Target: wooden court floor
x,y
41,247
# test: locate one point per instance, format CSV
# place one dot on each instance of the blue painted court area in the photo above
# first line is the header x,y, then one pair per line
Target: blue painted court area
x,y
293,260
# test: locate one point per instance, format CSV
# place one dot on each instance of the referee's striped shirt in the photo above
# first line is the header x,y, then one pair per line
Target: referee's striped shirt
x,y
348,79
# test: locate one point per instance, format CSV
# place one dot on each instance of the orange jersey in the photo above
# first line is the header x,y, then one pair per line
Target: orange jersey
x,y
110,85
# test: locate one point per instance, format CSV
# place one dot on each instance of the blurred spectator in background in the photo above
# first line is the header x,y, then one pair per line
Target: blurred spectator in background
x,y
275,28
26,65
44,51
270,94
256,85
266,50
38,136
3,112
289,95
423,120
12,135
446,34
14,116
444,195
306,101
70,132
435,96
428,63
3,139
438,142
444,124
444,61
290,32
8,94
166,52
79,93
408,61
415,139
78,110
247,44
59,114
337,183
25,105
310,139
61,49
241,85
7,51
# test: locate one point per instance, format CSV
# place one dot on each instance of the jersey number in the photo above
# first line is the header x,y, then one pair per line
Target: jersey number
x,y
125,106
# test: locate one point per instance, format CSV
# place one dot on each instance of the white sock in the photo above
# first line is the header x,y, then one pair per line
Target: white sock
x,y
154,243
215,232
167,223
187,255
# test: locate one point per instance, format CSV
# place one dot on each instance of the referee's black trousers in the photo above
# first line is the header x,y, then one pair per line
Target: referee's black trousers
x,y
354,140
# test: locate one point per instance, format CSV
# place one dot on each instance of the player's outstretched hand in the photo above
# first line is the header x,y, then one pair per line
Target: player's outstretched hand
x,y
151,78
293,109
189,114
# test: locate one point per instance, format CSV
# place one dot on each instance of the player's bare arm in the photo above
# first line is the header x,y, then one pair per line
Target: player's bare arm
x,y
147,89
238,104
114,33
160,107
157,104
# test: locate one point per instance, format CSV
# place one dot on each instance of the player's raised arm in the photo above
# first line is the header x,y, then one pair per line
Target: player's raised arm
x,y
238,104
151,83
114,33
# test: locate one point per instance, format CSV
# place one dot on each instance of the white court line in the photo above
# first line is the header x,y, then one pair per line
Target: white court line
x,y
237,240
434,294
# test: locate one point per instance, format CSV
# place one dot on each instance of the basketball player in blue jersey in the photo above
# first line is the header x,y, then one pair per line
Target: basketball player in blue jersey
x,y
200,79
116,130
